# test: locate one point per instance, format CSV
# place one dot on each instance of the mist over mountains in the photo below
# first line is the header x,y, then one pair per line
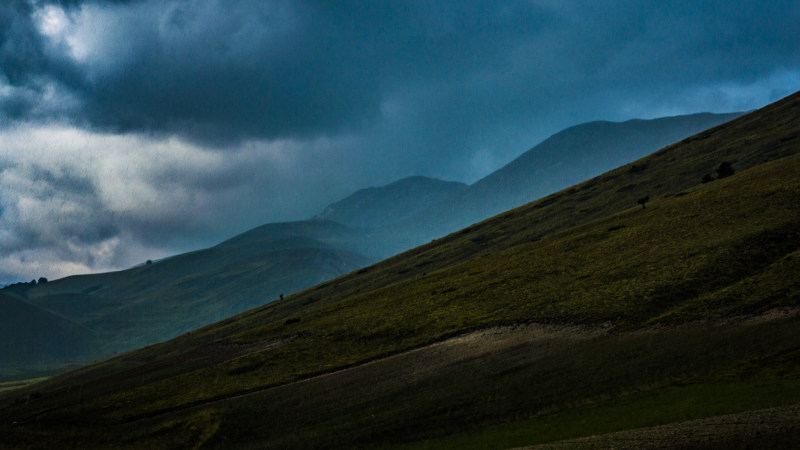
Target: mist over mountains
x,y
124,310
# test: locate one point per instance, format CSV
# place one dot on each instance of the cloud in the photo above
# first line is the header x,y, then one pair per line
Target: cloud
x,y
51,221
74,201
221,71
162,125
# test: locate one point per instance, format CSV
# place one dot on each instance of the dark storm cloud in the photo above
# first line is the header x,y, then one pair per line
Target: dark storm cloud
x,y
20,44
21,57
268,70
222,71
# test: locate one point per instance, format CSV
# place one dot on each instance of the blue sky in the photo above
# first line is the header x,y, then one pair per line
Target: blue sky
x,y
130,130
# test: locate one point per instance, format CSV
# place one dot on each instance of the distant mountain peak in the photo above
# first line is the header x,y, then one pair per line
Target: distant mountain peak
x,y
383,205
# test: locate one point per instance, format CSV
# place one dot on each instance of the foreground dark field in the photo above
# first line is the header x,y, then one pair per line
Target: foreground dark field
x,y
495,388
576,315
765,428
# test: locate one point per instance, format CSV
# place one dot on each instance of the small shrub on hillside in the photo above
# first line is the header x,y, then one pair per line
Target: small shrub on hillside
x,y
637,168
725,169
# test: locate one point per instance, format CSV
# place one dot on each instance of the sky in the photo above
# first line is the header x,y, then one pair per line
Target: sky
x,y
132,130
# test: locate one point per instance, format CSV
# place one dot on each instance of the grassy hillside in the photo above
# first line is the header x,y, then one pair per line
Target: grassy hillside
x,y
197,299
579,314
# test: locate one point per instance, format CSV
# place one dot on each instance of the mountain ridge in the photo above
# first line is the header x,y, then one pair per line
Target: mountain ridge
x,y
383,205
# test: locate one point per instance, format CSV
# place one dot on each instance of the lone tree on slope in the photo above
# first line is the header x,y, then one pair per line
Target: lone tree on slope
x,y
643,200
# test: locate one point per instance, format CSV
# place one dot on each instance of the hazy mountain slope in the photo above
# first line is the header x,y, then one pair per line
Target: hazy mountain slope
x,y
384,205
80,308
204,297
153,302
327,233
566,158
690,304
200,297
148,277
31,335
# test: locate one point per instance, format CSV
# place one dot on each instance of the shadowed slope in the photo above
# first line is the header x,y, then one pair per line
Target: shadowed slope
x,y
31,335
774,428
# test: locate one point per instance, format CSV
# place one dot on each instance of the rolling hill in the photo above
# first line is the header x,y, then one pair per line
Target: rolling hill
x,y
153,302
580,314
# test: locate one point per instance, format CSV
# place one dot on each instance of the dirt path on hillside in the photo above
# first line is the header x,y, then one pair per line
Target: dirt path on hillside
x,y
772,428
